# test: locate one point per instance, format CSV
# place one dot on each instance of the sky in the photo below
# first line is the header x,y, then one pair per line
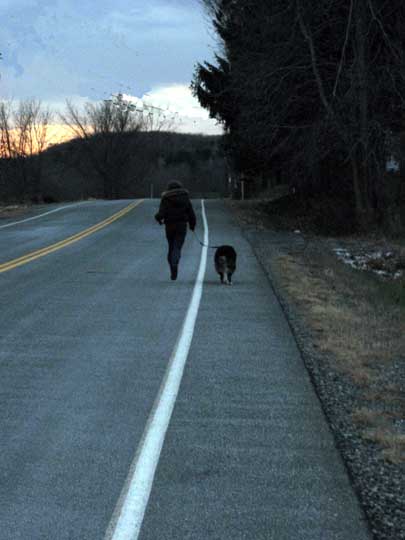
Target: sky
x,y
87,50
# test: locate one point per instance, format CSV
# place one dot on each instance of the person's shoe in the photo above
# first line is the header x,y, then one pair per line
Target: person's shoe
x,y
173,272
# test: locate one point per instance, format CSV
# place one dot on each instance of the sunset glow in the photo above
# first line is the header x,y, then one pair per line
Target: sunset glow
x,y
55,134
58,133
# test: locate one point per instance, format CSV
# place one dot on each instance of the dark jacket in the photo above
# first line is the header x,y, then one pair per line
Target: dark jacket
x,y
175,207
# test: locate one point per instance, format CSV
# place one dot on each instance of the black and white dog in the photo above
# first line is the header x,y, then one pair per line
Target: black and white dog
x,y
225,263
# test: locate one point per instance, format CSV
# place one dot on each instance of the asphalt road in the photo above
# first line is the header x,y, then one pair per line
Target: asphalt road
x,y
86,333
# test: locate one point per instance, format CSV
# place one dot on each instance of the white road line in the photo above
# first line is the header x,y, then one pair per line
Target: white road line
x,y
127,519
42,215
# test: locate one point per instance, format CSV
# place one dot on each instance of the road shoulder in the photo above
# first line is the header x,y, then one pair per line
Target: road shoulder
x,y
360,393
248,453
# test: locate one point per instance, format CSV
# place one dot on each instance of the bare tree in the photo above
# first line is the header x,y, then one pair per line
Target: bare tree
x,y
23,138
5,148
29,140
109,130
5,130
154,118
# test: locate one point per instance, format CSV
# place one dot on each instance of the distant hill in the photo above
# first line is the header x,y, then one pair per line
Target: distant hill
x,y
136,164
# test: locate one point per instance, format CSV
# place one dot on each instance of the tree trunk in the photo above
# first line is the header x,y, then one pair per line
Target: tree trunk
x,y
360,193
361,172
107,186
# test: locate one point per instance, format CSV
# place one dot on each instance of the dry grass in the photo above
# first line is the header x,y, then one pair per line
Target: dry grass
x,y
393,444
367,417
12,211
345,322
356,332
381,431
384,395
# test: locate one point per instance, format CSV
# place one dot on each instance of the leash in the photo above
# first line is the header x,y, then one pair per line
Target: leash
x,y
204,245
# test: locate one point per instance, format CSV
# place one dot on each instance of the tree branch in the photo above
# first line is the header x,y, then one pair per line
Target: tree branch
x,y
308,38
342,57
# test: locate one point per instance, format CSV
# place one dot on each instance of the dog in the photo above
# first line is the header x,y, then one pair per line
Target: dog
x,y
225,263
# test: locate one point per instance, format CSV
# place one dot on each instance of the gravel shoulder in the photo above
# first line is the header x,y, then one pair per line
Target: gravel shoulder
x,y
349,325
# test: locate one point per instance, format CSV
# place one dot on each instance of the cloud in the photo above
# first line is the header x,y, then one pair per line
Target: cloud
x,y
55,50
177,97
46,80
58,49
205,127
179,103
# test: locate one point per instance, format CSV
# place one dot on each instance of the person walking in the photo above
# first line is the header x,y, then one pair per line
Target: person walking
x,y
175,211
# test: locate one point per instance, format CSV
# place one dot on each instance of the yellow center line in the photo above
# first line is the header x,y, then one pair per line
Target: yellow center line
x,y
9,265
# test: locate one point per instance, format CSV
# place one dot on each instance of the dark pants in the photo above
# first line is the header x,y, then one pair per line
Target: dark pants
x,y
175,234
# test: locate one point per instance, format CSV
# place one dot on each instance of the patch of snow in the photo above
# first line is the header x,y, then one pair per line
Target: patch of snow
x,y
366,261
392,164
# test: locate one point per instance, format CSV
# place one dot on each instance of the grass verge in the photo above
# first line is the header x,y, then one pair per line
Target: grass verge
x,y
355,320
11,211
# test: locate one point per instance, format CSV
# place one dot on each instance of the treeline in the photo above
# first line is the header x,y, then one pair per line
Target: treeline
x,y
312,93
115,154
141,166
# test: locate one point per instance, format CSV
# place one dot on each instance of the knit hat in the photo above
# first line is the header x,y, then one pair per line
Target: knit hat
x,y
174,185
